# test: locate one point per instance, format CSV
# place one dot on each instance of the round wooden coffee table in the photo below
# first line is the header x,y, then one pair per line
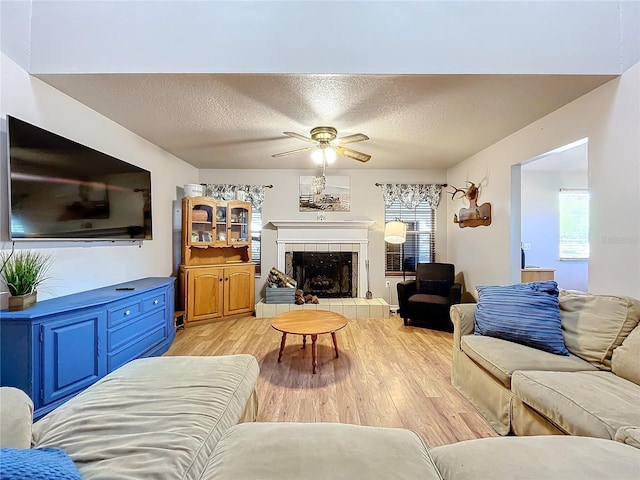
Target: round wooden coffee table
x,y
308,322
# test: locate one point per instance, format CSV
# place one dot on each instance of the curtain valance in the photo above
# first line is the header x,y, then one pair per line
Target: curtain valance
x,y
410,195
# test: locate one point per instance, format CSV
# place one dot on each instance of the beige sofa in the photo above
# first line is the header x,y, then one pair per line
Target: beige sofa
x,y
152,418
594,392
177,418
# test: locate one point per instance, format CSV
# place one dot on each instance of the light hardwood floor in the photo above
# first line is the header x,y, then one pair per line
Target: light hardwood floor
x,y
387,375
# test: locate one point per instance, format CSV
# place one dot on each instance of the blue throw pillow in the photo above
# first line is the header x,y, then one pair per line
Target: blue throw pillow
x,y
37,464
526,313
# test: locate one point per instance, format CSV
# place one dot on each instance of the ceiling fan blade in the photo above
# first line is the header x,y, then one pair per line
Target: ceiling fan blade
x,y
306,149
356,137
300,137
353,154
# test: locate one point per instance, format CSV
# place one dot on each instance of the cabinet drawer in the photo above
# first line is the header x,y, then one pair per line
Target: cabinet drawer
x,y
136,349
151,302
131,330
123,313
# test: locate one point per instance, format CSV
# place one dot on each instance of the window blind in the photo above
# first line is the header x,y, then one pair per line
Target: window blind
x,y
420,244
256,239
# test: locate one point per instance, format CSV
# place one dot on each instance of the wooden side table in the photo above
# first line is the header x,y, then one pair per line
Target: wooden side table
x,y
308,322
537,274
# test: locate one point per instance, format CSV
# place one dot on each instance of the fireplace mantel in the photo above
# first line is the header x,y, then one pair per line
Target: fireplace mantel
x,y
322,223
306,232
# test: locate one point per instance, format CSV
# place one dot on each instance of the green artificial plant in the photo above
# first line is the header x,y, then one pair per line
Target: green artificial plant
x,y
23,270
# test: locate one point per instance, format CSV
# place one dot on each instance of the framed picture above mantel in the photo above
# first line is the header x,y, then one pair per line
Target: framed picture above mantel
x,y
335,195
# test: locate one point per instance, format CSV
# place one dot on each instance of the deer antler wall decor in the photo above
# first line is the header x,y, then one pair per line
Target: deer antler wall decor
x,y
476,214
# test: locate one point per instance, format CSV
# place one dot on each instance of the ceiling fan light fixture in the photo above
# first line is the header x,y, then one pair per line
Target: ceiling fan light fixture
x,y
324,155
329,155
317,156
326,147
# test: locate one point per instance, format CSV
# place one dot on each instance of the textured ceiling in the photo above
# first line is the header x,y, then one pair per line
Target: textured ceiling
x,y
236,121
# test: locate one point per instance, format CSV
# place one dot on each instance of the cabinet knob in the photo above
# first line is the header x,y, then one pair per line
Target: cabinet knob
x,y
127,312
155,302
221,279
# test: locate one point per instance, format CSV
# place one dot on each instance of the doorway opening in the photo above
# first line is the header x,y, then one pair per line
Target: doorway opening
x,y
551,227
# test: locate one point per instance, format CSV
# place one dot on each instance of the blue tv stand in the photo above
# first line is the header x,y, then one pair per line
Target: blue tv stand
x,y
57,348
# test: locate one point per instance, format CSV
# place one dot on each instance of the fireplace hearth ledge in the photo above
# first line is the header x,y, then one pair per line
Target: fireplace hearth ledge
x,y
352,308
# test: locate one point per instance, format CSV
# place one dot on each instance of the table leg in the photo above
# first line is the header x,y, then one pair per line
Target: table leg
x,y
304,341
335,343
284,339
314,352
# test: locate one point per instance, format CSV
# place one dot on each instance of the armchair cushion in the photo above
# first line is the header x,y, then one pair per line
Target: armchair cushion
x,y
526,313
424,298
434,287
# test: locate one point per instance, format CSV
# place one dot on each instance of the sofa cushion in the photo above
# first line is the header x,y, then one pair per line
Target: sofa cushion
x,y
535,458
592,404
37,463
319,451
152,416
629,435
16,418
501,357
625,361
525,313
594,325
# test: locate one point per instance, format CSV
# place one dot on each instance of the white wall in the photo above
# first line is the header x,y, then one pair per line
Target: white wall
x,y
15,31
541,224
281,203
610,117
332,36
80,266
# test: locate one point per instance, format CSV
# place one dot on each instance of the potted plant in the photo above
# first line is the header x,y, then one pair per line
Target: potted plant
x,y
22,272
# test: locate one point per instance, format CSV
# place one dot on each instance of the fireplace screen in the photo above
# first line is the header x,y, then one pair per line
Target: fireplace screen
x,y
325,274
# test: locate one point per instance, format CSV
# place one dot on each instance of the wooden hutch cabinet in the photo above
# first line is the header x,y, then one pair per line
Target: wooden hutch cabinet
x,y
217,278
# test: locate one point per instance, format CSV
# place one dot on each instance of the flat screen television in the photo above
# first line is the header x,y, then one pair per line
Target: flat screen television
x,y
62,190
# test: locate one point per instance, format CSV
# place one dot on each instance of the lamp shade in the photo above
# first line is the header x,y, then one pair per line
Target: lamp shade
x,y
395,232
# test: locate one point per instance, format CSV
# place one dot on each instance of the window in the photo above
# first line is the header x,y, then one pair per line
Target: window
x,y
256,236
420,244
574,224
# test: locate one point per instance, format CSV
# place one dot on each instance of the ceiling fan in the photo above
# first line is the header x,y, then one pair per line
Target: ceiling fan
x,y
326,145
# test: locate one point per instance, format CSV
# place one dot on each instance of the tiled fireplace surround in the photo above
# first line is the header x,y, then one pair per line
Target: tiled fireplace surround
x,y
328,236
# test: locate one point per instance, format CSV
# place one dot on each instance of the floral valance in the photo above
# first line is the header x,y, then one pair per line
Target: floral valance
x,y
410,195
252,193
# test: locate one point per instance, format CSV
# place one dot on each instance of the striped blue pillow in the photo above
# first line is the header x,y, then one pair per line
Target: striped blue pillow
x,y
526,313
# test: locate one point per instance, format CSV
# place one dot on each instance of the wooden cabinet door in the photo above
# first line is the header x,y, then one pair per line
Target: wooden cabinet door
x,y
198,221
239,284
204,293
239,223
73,355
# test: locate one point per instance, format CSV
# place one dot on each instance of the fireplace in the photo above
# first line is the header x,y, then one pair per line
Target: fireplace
x,y
326,236
325,274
